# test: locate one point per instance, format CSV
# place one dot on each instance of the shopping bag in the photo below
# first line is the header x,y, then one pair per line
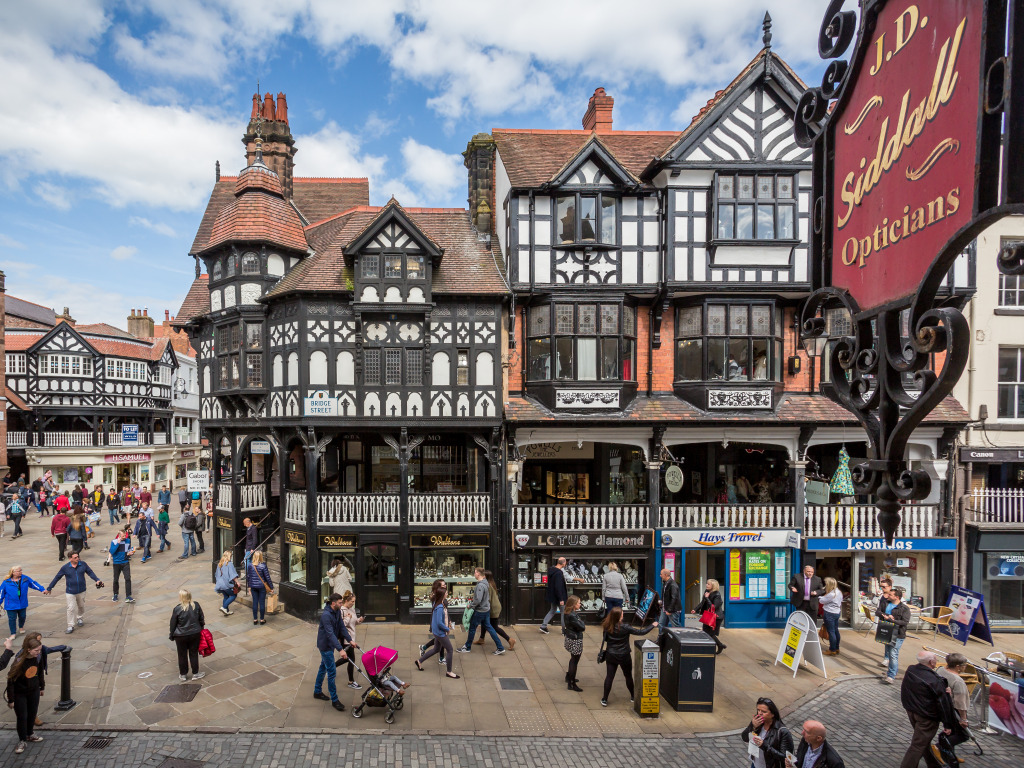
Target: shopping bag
x,y
885,632
467,617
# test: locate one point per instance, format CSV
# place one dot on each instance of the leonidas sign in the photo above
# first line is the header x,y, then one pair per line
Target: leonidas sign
x,y
905,145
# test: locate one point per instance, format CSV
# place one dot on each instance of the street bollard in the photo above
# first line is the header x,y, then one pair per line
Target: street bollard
x,y
66,703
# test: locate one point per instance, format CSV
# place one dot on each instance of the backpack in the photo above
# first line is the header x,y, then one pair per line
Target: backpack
x,y
190,523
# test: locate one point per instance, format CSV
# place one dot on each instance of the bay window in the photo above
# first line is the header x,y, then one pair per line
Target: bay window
x,y
585,341
584,218
728,342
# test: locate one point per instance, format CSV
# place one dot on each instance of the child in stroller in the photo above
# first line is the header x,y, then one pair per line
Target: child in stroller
x,y
386,690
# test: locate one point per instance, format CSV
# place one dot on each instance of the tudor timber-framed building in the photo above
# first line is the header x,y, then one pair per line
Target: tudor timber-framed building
x,y
342,348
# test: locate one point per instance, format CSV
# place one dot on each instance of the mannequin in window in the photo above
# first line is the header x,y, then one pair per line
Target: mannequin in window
x,y
734,369
761,366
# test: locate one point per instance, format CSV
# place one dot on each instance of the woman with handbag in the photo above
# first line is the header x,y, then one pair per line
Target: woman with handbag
x,y
615,651
711,610
831,603
772,739
572,632
614,589
351,621
440,627
227,581
187,623
260,585
24,685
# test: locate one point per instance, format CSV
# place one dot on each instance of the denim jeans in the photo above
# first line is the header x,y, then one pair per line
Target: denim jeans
x,y
259,602
164,544
144,542
892,655
187,538
613,602
229,597
832,626
326,668
667,619
482,619
15,618
553,609
115,516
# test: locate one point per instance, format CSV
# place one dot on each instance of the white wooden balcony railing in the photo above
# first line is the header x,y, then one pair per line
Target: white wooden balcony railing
x,y
861,521
83,439
17,439
295,507
356,509
253,496
159,438
224,497
728,516
67,439
994,505
114,438
581,517
459,509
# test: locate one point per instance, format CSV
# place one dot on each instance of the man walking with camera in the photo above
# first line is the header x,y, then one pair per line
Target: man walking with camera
x,y
74,572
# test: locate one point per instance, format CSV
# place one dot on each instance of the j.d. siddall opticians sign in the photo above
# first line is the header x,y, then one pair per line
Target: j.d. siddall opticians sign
x,y
905,142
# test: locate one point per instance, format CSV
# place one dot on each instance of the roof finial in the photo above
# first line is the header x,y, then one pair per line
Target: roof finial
x,y
767,27
259,130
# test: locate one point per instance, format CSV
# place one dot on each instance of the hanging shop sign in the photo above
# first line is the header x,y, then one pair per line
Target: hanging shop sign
x,y
724,538
326,540
562,540
198,480
674,479
816,492
294,537
851,545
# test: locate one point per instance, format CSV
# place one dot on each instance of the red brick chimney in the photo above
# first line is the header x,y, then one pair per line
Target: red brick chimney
x,y
271,118
599,112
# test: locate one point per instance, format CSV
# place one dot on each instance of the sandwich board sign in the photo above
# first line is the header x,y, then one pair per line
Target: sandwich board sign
x,y
969,616
800,640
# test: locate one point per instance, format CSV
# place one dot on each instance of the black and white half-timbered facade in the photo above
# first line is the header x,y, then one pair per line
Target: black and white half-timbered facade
x,y
91,404
660,411
350,367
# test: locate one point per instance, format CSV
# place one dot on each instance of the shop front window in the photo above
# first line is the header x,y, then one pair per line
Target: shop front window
x,y
296,554
451,468
591,342
454,564
347,555
1002,584
729,342
759,574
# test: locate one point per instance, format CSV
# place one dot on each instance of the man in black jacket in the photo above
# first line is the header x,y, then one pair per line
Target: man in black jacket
x,y
671,603
556,593
814,751
330,637
804,590
924,696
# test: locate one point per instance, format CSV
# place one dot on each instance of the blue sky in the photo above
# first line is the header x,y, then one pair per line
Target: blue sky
x,y
112,114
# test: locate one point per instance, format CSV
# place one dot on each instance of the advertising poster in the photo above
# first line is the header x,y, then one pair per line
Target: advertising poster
x,y
1006,707
1004,566
969,617
644,605
790,654
735,582
781,576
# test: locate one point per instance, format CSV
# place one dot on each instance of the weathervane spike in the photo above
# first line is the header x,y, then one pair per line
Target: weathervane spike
x,y
767,27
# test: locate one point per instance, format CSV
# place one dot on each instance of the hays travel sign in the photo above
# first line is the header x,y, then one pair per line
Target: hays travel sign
x,y
728,538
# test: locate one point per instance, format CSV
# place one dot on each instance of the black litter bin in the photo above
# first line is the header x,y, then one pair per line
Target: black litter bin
x,y
688,670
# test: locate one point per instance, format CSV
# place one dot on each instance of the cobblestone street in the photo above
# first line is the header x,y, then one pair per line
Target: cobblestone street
x,y
866,725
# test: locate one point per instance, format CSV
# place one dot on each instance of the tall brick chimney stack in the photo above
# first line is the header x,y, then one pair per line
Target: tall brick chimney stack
x,y
599,112
141,325
271,117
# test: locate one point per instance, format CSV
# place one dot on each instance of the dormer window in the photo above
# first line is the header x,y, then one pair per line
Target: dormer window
x,y
393,265
755,207
584,218
369,266
250,264
414,266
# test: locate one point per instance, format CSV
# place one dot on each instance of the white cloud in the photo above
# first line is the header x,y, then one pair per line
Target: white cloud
x,y
437,174
157,226
10,242
123,252
53,194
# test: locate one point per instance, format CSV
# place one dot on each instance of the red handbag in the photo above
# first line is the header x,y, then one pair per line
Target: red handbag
x,y
709,618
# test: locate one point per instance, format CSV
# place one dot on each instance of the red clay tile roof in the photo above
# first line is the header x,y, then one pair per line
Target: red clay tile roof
x,y
316,199
196,303
13,398
259,213
792,408
136,350
467,266
103,329
533,157
19,342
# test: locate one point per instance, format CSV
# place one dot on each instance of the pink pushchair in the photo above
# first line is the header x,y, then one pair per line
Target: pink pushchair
x,y
377,663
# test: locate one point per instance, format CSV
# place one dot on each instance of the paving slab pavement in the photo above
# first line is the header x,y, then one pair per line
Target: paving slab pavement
x,y
262,676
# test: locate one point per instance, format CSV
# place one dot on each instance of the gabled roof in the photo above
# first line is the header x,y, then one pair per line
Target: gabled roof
x,y
102,329
315,198
392,212
533,158
469,266
196,303
127,346
594,149
27,310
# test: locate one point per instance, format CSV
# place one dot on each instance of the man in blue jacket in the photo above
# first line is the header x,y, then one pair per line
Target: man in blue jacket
x,y
120,550
74,572
328,640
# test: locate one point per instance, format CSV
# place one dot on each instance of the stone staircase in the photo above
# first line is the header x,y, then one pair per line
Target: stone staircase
x,y
272,554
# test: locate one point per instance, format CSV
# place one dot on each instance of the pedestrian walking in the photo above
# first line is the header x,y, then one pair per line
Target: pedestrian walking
x,y
615,640
614,589
339,575
59,530
188,524
18,507
163,523
187,624
814,751
163,499
671,603
74,572
492,587
769,735
891,608
712,601
76,534
97,498
480,604
24,685
113,507
14,597
923,695
438,583
351,620
43,663
144,533
555,593
252,543
257,576
62,503
945,751
227,581
440,627
573,628
183,499
200,516
804,590
121,550
330,635
832,603
77,494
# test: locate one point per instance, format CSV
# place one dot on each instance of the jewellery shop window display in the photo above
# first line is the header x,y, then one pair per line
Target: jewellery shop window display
x,y
334,546
452,558
295,554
